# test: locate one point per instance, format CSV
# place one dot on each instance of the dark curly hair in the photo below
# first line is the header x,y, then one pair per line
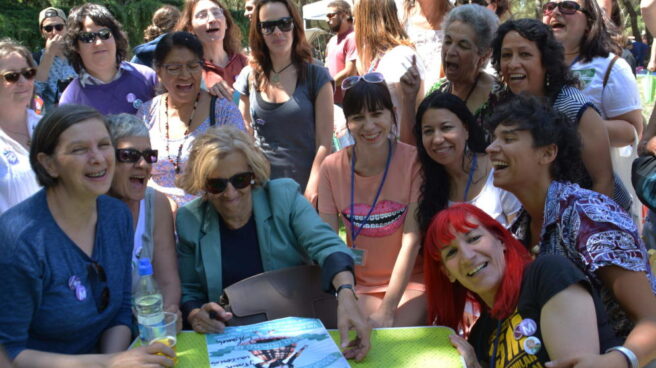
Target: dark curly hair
x,y
546,126
101,17
435,188
173,40
552,54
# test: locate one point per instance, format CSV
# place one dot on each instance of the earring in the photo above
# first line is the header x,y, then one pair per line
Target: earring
x,y
546,77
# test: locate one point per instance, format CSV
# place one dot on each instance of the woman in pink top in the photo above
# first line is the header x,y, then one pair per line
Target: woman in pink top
x,y
373,187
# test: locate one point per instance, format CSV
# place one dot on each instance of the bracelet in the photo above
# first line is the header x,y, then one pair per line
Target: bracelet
x,y
345,286
630,356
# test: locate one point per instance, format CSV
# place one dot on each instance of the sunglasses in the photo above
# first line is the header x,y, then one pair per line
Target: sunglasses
x,y
90,37
565,7
12,77
238,181
284,25
176,69
49,27
97,276
331,15
131,155
373,77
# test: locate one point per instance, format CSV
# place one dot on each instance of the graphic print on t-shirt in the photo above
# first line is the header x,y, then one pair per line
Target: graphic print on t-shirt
x,y
585,76
385,219
511,352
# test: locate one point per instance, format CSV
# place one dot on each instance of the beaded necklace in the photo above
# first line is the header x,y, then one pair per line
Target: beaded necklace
x,y
176,163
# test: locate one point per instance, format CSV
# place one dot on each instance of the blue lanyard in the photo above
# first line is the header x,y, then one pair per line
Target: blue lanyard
x,y
496,345
472,169
355,232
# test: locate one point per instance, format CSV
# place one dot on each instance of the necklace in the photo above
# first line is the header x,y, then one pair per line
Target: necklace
x,y
275,77
176,163
471,89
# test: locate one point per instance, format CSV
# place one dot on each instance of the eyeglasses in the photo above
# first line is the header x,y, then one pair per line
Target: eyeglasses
x,y
567,7
90,37
284,25
373,77
238,181
12,77
331,15
176,69
217,13
49,27
131,155
97,276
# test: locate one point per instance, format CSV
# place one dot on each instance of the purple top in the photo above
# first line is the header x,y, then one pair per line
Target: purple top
x,y
135,86
593,231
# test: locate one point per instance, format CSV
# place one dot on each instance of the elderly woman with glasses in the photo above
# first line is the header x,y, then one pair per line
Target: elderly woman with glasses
x,y
286,99
65,255
182,112
245,224
96,46
152,219
17,122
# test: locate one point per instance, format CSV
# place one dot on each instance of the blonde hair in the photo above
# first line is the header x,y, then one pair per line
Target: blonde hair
x,y
377,29
213,145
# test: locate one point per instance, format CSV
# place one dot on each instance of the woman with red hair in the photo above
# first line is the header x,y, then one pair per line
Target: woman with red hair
x,y
532,312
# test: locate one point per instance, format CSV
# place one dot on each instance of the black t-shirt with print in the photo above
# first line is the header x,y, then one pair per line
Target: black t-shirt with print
x,y
543,278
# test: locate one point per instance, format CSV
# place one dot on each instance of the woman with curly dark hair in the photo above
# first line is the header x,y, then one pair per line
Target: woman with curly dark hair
x,y
96,47
529,59
535,153
286,100
451,149
212,23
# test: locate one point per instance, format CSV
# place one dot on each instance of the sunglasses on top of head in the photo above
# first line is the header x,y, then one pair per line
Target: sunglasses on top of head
x,y
284,25
12,77
567,7
90,37
57,27
131,155
238,181
373,77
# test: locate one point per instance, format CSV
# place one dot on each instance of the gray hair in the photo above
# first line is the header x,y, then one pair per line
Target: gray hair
x,y
482,20
126,125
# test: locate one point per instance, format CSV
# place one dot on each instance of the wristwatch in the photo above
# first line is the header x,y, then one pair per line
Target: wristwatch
x,y
345,286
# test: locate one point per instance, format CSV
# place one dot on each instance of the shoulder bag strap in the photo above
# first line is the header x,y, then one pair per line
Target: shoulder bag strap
x,y
608,70
212,111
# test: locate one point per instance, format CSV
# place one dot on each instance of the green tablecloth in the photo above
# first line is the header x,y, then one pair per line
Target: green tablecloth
x,y
391,347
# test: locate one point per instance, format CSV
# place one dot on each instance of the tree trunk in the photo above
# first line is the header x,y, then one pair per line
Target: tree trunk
x,y
633,15
538,9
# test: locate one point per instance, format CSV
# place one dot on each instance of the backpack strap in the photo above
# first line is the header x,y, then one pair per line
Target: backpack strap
x,y
212,111
608,70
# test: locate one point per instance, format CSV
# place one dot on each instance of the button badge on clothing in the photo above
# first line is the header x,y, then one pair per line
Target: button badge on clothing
x,y
532,345
527,327
75,284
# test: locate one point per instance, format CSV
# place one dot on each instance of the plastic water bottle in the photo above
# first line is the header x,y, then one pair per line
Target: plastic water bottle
x,y
148,301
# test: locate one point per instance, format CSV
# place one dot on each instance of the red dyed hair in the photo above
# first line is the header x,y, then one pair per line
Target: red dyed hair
x,y
446,300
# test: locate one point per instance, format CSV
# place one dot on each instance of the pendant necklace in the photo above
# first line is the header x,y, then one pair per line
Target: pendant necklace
x,y
176,163
275,76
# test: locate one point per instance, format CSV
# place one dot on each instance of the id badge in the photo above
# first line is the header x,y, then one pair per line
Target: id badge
x,y
359,256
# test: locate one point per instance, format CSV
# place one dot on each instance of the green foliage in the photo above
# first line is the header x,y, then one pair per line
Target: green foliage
x,y
19,18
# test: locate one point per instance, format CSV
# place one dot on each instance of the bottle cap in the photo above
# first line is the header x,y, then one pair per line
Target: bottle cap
x,y
145,268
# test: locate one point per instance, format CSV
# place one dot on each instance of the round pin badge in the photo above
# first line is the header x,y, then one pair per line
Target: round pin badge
x,y
130,97
527,327
137,103
532,345
73,281
80,292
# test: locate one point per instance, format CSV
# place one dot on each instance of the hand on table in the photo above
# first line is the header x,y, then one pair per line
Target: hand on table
x,y
350,317
612,359
221,90
201,322
466,351
155,355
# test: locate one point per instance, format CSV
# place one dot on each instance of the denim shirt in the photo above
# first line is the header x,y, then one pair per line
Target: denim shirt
x,y
60,72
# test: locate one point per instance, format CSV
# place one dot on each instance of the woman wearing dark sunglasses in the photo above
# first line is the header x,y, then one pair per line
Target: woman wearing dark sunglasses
x,y
65,255
97,47
286,100
373,187
17,122
245,224
152,218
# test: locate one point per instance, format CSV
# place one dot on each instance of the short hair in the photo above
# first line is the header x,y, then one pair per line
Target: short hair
x,y
446,300
547,126
341,6
208,148
9,46
481,19
126,125
370,96
597,40
552,53
377,29
232,38
164,20
46,135
173,40
260,60
101,17
435,188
